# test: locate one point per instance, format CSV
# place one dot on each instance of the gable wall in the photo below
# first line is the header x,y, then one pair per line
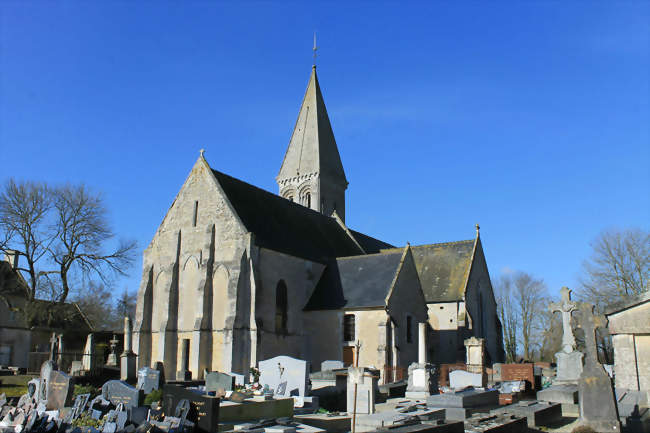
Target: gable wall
x,y
175,300
407,300
481,307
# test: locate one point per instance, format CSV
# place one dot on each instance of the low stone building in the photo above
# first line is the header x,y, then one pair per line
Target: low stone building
x,y
239,274
629,325
26,327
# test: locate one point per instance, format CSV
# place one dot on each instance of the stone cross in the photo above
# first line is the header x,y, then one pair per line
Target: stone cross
x,y
114,343
566,306
422,343
53,349
589,322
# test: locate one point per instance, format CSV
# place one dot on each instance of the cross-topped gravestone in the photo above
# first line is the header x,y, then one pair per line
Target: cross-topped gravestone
x,y
112,357
566,307
596,394
569,360
53,341
589,323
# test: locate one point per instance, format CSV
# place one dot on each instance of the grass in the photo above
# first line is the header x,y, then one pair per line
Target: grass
x,y
14,386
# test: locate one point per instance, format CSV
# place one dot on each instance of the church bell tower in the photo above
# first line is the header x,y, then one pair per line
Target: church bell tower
x,y
312,173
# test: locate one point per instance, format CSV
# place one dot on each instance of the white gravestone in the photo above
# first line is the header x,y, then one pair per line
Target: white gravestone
x,y
287,376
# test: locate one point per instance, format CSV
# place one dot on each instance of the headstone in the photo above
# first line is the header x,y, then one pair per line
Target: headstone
x,y
216,380
203,408
88,359
366,381
423,380
524,371
331,365
464,399
59,390
79,405
240,380
475,355
295,372
148,379
569,361
459,379
595,392
53,347
33,387
46,369
117,391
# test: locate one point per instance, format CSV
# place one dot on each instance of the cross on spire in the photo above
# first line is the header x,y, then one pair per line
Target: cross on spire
x,y
314,49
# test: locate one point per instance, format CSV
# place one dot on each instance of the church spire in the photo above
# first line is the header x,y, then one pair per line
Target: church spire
x,y
311,172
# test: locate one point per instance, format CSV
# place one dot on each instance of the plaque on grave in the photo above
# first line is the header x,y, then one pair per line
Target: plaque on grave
x,y
117,391
216,380
148,379
510,372
59,390
203,411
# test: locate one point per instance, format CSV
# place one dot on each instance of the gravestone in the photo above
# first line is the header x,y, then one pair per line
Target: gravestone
x,y
111,361
331,365
33,387
366,380
148,379
422,379
524,371
288,374
59,390
46,369
459,379
216,380
536,413
79,405
240,379
569,361
475,355
595,392
117,391
203,408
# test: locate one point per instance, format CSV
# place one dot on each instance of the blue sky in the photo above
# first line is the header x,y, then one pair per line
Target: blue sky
x,y
531,118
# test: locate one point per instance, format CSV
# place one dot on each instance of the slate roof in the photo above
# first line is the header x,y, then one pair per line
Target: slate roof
x,y
356,282
443,269
370,245
282,225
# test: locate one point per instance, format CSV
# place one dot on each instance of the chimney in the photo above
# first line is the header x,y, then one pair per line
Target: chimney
x,y
11,257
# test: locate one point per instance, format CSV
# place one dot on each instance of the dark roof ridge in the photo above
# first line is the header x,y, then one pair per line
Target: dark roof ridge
x,y
433,245
397,250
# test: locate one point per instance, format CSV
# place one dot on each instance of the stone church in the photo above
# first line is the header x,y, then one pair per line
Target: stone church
x,y
242,274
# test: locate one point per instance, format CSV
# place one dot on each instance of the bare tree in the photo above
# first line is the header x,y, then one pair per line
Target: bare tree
x,y
26,228
82,233
530,297
551,336
618,269
126,305
508,316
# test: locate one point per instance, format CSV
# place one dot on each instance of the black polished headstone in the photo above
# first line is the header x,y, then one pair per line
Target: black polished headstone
x,y
138,415
59,390
117,391
203,411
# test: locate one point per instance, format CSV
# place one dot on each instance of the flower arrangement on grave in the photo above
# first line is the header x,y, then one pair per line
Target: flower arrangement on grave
x,y
255,374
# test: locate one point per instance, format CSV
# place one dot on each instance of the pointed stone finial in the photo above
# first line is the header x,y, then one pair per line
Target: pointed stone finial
x,y
478,229
202,153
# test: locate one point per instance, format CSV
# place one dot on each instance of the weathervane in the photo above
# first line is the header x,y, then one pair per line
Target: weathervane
x,y
315,48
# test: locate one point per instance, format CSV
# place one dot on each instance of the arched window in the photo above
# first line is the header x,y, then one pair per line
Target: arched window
x,y
409,329
348,327
290,197
308,200
281,308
